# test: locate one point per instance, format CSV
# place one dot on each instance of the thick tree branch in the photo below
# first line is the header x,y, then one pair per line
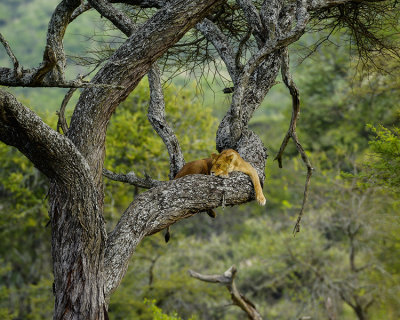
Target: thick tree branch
x,y
269,15
160,207
228,279
236,125
156,116
287,79
27,79
51,152
54,57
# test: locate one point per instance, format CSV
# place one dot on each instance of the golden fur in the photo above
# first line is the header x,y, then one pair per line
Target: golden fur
x,y
202,166
229,160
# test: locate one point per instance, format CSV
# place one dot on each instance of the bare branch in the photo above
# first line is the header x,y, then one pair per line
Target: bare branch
x,y
54,57
117,17
132,179
239,51
29,79
220,42
291,133
227,278
156,116
253,20
269,14
17,67
62,122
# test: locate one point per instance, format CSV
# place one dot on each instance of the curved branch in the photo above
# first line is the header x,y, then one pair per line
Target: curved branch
x,y
132,179
117,17
287,79
159,207
253,20
51,152
228,279
17,67
54,57
156,116
220,42
236,125
62,122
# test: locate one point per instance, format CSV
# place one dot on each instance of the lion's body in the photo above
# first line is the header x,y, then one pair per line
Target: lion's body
x,y
202,166
229,160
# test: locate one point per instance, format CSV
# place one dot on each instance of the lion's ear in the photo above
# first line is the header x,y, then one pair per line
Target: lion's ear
x,y
229,158
214,156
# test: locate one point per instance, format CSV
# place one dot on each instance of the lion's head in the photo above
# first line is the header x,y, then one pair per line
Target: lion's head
x,y
222,164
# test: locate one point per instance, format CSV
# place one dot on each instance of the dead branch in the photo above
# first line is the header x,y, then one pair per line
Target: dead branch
x,y
17,67
291,133
156,116
227,279
62,122
132,179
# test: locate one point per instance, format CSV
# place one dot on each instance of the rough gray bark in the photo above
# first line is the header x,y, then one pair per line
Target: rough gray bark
x,y
156,116
88,264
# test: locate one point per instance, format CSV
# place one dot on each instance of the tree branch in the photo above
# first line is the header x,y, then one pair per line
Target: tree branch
x,y
253,20
117,17
28,79
236,125
51,152
227,278
160,207
132,179
17,67
156,116
54,57
220,42
62,122
291,133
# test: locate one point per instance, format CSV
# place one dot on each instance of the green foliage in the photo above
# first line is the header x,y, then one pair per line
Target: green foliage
x,y
384,158
158,314
25,267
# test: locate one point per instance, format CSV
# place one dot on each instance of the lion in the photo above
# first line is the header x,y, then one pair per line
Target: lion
x,y
229,160
221,165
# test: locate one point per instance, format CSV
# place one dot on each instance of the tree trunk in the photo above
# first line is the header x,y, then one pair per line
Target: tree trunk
x,y
78,244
